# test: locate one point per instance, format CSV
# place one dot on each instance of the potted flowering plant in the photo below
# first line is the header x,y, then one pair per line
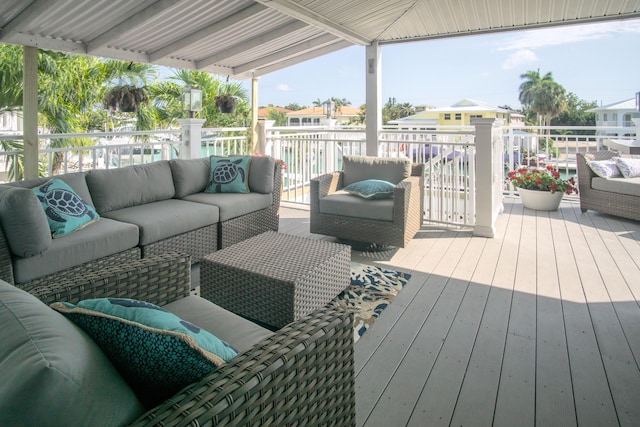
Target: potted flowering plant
x,y
541,188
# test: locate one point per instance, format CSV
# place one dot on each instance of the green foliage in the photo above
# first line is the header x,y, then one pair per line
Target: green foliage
x,y
280,117
294,106
576,114
393,110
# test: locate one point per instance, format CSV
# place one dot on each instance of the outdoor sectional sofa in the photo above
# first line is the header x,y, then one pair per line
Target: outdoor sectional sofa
x,y
144,210
614,196
54,374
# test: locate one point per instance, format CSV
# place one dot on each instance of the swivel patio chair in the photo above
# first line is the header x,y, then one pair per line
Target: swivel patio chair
x,y
370,221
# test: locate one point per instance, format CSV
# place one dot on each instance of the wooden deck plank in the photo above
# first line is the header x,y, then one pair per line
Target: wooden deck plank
x,y
594,404
554,390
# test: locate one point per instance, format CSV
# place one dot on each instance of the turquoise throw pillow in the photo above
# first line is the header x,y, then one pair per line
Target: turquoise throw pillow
x,y
371,189
229,175
66,211
156,352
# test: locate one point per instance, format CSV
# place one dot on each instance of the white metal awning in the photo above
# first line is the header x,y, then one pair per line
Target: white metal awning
x,y
245,38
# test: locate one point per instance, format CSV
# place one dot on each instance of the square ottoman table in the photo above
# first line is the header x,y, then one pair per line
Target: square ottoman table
x,y
275,278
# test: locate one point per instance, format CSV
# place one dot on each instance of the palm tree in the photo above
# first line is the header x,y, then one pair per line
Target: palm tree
x,y
532,79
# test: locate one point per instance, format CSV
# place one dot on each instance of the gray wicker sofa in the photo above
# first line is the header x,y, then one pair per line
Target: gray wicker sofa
x,y
613,196
144,210
54,374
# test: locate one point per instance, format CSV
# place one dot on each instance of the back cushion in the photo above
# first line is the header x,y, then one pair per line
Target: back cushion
x,y
130,186
190,176
360,168
23,221
77,181
53,373
261,171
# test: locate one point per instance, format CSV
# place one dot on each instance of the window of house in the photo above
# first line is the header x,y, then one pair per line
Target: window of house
x,y
604,117
614,117
306,121
294,121
458,116
447,116
316,121
476,116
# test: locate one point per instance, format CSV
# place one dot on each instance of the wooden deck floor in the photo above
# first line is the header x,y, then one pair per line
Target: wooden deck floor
x,y
538,326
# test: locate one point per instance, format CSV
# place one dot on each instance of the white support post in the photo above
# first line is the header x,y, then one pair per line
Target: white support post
x,y
254,116
191,147
330,155
373,69
488,180
30,111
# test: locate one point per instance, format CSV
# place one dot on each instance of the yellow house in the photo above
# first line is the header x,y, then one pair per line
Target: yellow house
x,y
458,114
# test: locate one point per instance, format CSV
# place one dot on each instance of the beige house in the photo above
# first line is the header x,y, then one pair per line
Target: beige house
x,y
313,116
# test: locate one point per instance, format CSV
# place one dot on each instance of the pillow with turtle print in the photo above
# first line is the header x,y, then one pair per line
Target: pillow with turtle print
x,y
66,211
229,175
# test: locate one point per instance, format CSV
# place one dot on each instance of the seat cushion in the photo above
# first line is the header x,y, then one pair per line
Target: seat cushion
x,y
343,203
233,205
157,352
360,168
113,189
167,218
102,238
53,373
621,185
239,332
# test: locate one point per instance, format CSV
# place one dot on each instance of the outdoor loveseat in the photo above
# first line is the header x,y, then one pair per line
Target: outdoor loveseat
x,y
143,210
54,374
617,196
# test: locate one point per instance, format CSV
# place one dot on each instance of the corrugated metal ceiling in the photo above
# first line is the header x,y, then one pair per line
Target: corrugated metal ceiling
x,y
244,38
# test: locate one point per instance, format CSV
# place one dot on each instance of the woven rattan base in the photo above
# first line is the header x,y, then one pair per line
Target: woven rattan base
x,y
275,278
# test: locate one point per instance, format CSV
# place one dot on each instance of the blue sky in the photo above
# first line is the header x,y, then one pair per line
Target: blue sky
x,y
598,62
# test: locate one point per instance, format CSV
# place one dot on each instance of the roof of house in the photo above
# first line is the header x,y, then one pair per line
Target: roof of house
x,y
264,111
345,110
464,105
627,104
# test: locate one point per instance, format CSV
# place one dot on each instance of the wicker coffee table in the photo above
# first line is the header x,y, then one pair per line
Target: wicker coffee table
x,y
275,278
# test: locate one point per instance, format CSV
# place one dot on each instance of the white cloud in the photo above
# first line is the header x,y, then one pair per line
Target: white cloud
x,y
565,34
283,87
520,57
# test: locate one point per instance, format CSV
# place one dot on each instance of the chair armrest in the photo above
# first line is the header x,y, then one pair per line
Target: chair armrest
x,y
322,186
277,183
301,375
158,279
6,264
407,199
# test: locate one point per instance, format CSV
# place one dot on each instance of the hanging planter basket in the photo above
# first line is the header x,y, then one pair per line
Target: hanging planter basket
x,y
226,103
126,98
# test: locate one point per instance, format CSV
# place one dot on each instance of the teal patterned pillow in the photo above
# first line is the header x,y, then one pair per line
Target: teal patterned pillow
x,y
156,352
630,168
229,175
371,189
66,211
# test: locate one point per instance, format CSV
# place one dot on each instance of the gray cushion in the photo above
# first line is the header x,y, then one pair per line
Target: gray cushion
x,y
77,181
360,168
166,218
130,186
261,169
190,175
233,205
53,373
240,333
621,185
104,237
23,221
343,203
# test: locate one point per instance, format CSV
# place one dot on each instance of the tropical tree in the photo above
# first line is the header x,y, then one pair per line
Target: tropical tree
x,y
280,117
393,110
294,106
532,80
576,114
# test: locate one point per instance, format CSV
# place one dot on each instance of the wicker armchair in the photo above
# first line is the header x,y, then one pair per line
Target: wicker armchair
x,y
408,202
301,375
623,205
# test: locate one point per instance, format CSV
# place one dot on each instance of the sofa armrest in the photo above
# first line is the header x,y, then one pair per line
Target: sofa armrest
x,y
322,186
158,279
301,375
6,265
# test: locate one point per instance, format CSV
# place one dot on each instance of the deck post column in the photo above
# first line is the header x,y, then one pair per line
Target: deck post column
x,y
255,131
488,175
30,111
374,97
191,147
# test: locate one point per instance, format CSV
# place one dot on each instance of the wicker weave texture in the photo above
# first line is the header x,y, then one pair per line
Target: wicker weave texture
x,y
623,205
159,279
275,278
6,266
97,265
301,376
246,226
196,243
408,212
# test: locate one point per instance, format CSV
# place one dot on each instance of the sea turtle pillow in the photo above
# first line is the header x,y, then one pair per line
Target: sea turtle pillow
x,y
65,210
229,175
